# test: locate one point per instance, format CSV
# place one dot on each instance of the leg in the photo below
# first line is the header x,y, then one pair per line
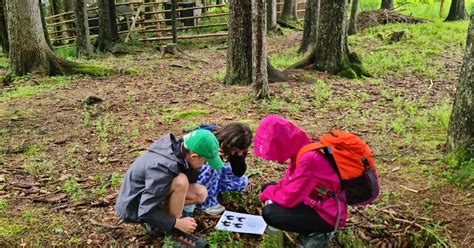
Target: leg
x,y
179,189
299,219
196,194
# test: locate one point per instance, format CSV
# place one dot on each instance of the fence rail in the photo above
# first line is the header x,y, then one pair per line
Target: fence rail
x,y
152,21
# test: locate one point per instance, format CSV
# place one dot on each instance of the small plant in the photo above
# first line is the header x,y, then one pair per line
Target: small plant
x,y
168,242
321,93
39,168
116,179
101,189
168,119
73,189
3,205
273,105
219,239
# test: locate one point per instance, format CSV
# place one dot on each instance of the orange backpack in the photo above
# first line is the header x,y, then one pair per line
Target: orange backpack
x,y
352,159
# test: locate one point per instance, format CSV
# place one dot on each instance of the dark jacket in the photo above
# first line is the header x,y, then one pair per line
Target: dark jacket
x,y
148,181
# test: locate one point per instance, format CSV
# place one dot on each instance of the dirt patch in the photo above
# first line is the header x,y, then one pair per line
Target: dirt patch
x,y
368,19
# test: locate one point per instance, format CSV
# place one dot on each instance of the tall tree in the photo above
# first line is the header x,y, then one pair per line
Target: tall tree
x,y
457,11
310,28
113,21
259,52
386,4
3,28
83,43
105,40
352,21
43,23
239,40
271,15
289,11
461,131
58,8
331,52
29,51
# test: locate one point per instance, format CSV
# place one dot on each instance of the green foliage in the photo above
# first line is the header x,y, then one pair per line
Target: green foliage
x,y
93,70
4,63
3,205
39,168
9,229
460,169
347,239
47,84
73,189
219,239
272,105
116,179
321,92
67,52
101,189
286,59
184,115
417,55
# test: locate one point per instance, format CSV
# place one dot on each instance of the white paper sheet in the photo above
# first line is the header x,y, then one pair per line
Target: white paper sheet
x,y
241,223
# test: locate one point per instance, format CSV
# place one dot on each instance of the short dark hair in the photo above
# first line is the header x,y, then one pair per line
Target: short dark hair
x,y
233,135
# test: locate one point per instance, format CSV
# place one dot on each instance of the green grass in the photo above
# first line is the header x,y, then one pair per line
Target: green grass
x,y
286,59
73,189
67,52
420,54
4,63
47,84
184,115
39,168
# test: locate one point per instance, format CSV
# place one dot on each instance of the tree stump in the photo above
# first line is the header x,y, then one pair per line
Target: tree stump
x,y
171,48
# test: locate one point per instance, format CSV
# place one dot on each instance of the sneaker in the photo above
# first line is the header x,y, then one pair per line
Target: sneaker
x,y
214,210
183,240
154,231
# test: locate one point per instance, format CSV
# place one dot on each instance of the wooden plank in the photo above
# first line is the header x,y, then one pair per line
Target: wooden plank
x,y
185,37
183,28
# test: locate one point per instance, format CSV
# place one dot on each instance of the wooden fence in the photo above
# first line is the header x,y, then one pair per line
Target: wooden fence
x,y
152,21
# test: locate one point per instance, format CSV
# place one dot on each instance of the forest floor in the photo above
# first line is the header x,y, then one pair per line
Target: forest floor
x,y
62,161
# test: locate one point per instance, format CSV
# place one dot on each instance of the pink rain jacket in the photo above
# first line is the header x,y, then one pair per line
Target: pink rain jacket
x,y
278,140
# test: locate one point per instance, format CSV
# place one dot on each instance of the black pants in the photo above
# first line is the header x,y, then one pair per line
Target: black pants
x,y
299,219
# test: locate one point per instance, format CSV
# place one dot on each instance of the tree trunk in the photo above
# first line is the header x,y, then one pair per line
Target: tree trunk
x,y
461,131
58,8
43,23
386,4
352,21
332,36
113,21
173,21
289,12
3,28
259,52
105,39
83,43
206,3
271,15
29,51
239,50
456,11
310,28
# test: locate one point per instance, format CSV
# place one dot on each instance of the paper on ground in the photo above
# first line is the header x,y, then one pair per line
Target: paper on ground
x,y
241,223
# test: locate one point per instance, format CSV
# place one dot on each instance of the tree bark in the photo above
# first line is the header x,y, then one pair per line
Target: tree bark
x,y
461,131
239,50
352,21
271,15
259,52
105,39
113,21
456,11
387,4
58,8
310,28
289,11
29,51
43,23
83,44
3,28
332,36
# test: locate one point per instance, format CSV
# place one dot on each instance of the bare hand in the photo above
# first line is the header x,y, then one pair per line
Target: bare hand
x,y
186,225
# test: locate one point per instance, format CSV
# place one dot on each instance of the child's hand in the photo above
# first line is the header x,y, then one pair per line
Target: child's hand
x,y
186,225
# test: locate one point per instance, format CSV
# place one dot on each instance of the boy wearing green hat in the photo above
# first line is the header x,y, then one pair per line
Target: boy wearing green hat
x,y
163,179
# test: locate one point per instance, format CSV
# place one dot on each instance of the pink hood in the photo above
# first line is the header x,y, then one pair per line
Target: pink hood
x,y
277,139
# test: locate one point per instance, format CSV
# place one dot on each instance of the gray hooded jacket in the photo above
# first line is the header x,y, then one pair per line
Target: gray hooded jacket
x,y
148,181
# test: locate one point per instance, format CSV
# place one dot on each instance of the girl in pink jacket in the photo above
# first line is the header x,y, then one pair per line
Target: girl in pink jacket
x,y
293,204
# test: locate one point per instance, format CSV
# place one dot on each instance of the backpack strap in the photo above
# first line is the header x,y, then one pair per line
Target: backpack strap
x,y
307,148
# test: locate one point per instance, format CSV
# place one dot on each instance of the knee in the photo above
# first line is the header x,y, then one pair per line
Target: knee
x,y
180,182
267,214
201,194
